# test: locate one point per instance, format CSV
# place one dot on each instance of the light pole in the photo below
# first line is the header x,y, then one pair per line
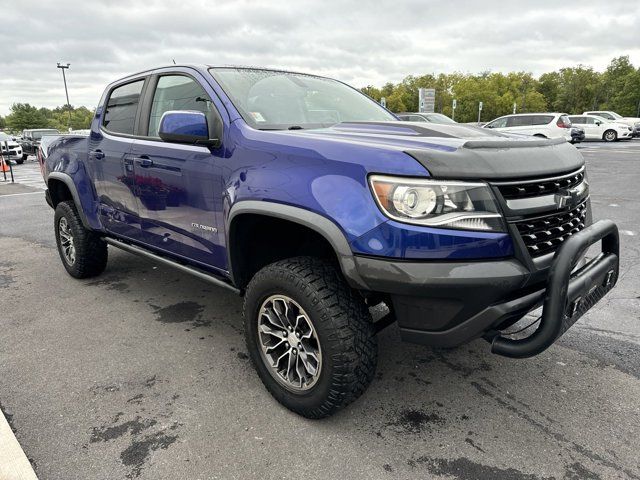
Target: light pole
x,y
66,92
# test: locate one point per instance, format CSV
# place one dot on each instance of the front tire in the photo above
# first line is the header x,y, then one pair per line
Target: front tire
x,y
20,161
310,336
82,251
610,136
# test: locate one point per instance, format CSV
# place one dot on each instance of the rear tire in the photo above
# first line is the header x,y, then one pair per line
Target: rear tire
x,y
340,333
82,251
610,136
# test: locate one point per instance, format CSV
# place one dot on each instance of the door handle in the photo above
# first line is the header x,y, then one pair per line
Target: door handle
x,y
96,154
144,162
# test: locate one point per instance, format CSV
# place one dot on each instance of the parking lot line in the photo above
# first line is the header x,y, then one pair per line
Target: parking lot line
x,y
14,464
19,194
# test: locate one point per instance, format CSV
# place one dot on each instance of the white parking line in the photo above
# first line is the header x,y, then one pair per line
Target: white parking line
x,y
628,232
18,194
14,464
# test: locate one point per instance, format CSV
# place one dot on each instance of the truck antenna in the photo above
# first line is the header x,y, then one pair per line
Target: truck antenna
x,y
174,61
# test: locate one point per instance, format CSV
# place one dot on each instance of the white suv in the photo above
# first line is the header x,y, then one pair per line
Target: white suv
x,y
548,125
633,122
599,128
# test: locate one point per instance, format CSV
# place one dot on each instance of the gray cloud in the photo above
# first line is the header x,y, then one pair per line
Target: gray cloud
x,y
360,43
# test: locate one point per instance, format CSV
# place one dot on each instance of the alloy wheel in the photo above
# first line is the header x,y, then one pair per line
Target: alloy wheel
x,y
290,347
66,241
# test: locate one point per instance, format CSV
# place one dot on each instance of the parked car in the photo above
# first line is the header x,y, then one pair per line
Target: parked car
x,y
599,128
633,122
547,125
31,138
424,117
316,204
577,134
12,150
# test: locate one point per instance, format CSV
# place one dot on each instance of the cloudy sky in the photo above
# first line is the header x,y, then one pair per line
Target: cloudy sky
x,y
359,42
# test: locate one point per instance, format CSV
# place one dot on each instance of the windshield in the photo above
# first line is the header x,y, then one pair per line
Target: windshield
x,y
439,118
270,100
616,116
4,137
37,134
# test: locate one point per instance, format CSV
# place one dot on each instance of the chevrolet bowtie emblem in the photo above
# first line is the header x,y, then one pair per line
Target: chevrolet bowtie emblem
x,y
570,197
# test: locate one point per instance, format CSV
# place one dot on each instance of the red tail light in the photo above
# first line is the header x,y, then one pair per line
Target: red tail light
x,y
563,124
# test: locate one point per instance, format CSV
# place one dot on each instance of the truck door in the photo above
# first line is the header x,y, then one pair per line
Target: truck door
x,y
179,187
110,163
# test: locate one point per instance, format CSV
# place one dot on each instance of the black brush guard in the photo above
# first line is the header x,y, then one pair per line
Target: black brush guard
x,y
569,296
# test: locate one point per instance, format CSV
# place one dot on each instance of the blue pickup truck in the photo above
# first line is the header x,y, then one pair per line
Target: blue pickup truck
x,y
319,206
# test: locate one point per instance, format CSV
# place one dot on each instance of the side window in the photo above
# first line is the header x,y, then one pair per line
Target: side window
x,y
589,120
122,106
417,118
541,119
499,123
179,92
520,121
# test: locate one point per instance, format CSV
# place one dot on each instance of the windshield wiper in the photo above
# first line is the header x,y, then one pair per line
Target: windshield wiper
x,y
295,127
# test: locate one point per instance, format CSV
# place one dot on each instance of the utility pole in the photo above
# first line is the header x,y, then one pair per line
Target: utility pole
x,y
66,92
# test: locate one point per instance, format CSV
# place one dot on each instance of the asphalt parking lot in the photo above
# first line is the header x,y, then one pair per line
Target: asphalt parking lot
x,y
143,373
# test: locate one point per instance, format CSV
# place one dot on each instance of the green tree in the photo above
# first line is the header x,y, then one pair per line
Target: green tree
x,y
3,122
24,116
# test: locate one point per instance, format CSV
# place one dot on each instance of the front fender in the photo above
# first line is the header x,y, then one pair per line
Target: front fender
x,y
322,225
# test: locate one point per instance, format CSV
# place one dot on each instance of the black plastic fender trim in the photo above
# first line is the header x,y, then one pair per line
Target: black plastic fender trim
x,y
322,225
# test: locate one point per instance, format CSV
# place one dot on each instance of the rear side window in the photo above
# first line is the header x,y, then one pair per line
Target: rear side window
x,y
542,119
122,106
179,92
579,120
520,121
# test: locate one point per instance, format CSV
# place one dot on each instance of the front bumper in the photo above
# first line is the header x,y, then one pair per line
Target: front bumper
x,y
446,304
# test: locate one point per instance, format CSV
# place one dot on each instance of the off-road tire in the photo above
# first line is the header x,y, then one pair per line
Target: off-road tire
x,y
343,325
19,161
90,249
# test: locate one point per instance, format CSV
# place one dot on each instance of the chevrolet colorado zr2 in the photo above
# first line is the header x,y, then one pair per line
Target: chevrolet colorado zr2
x,y
316,204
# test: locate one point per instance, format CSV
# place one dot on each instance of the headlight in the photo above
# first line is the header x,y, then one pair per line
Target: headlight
x,y
437,203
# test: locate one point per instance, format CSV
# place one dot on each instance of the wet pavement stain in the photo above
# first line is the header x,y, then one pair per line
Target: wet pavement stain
x,y
134,427
416,421
465,469
577,471
5,280
135,456
182,312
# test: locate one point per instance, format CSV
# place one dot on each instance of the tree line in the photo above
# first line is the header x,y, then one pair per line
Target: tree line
x,y
572,90
24,116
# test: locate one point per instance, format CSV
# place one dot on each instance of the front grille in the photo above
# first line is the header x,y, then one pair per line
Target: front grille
x,y
535,188
545,234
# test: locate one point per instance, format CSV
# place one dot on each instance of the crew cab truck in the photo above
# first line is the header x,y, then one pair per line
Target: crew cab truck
x,y
30,140
316,204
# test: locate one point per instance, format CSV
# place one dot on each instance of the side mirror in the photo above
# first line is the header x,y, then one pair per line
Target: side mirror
x,y
185,126
598,122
